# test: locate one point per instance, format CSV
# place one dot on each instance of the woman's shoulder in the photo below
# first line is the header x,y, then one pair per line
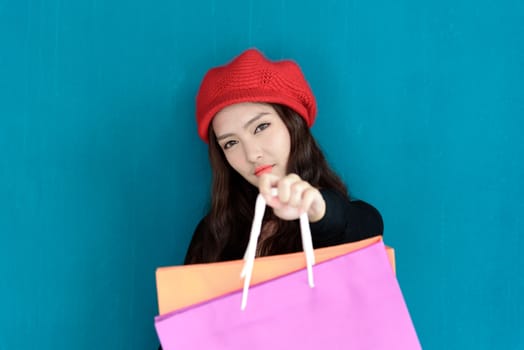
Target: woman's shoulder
x,y
196,245
204,222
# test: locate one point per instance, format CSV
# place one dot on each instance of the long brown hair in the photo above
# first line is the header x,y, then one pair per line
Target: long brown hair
x,y
224,232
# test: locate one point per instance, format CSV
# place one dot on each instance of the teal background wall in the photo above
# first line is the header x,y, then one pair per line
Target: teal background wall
x,y
103,178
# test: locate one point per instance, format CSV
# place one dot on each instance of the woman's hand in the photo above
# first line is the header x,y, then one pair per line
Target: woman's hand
x,y
295,196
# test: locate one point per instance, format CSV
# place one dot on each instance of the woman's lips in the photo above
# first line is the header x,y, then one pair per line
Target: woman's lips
x,y
263,169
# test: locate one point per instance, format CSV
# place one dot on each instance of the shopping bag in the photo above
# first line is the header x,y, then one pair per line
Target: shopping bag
x,y
356,304
182,286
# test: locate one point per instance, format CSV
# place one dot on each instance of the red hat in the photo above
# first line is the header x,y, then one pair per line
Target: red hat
x,y
251,77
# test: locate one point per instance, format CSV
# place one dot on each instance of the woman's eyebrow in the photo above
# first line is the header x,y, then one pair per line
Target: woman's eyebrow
x,y
254,119
246,125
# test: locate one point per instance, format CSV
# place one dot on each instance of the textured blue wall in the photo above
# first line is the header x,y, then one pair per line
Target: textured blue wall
x,y
103,178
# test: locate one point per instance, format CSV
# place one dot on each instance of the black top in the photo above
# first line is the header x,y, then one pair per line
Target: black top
x,y
344,221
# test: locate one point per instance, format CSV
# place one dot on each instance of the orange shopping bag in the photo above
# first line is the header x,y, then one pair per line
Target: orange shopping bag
x,y
183,286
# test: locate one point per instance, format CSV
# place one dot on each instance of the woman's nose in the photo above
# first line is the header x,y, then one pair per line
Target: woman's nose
x,y
252,151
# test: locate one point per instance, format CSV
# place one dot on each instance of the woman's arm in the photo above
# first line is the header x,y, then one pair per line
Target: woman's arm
x,y
345,221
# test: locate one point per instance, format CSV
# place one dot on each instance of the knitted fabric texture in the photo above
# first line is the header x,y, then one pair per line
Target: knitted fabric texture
x,y
251,77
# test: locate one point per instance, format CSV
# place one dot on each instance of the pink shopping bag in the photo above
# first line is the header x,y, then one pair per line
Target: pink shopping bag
x,y
356,304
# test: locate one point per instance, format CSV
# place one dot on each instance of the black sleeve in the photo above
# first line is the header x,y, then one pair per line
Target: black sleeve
x,y
345,221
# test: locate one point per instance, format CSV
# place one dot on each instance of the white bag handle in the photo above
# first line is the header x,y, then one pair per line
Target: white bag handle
x,y
249,256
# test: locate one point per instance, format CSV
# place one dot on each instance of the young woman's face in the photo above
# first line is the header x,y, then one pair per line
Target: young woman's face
x,y
254,139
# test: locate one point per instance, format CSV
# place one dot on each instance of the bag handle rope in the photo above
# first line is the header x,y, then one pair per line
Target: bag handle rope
x,y
249,256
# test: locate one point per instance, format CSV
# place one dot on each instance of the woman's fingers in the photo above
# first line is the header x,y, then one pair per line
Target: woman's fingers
x,y
285,187
313,204
266,183
295,196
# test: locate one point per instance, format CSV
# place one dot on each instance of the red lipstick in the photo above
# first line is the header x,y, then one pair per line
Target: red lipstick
x,y
263,169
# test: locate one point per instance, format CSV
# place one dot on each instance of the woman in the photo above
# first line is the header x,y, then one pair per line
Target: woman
x,y
255,115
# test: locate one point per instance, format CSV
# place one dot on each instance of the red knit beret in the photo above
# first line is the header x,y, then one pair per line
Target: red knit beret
x,y
251,77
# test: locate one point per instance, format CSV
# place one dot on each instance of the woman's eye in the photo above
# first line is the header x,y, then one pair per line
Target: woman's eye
x,y
261,127
229,144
